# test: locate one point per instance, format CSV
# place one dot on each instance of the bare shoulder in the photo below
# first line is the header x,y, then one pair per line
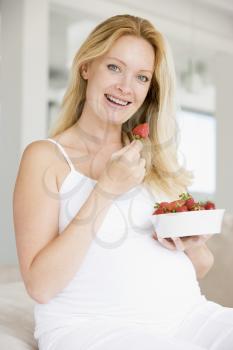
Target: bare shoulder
x,y
40,148
40,157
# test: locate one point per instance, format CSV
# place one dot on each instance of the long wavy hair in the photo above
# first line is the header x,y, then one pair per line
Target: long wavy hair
x,y
164,173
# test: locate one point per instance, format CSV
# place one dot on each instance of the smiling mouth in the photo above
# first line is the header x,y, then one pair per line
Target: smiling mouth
x,y
116,101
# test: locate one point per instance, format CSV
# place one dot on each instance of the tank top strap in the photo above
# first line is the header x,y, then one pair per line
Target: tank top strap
x,y
63,152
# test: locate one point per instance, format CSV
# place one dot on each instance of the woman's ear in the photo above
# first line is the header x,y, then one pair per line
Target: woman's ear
x,y
84,71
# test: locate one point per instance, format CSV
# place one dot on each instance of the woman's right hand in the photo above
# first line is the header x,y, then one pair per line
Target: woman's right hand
x,y
124,170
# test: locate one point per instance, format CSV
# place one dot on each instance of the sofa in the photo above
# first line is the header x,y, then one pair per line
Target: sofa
x,y
16,312
16,307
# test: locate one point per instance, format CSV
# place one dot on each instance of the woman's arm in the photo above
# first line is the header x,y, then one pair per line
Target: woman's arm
x,y
49,260
202,259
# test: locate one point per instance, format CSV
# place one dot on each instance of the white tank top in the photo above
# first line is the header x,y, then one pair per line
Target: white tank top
x,y
126,275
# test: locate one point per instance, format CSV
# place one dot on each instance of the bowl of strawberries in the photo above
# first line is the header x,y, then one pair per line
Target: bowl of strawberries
x,y
186,217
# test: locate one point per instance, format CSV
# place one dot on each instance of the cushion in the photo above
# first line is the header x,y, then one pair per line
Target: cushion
x,y
16,317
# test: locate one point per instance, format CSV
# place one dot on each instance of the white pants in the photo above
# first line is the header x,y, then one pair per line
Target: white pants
x,y
209,327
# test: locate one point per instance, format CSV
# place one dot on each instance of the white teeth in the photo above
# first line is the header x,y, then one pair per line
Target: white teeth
x,y
123,103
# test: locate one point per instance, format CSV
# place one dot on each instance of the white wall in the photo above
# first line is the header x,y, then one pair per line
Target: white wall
x,y
24,99
191,21
11,105
224,115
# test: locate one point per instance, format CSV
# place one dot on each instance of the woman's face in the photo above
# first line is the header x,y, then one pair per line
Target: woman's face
x,y
125,73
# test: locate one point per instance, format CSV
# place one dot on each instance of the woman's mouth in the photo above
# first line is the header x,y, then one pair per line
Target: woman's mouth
x,y
116,103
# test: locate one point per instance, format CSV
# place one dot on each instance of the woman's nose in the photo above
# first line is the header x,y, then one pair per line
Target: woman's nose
x,y
125,86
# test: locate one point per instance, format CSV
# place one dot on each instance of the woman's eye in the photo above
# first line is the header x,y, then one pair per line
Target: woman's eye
x,y
145,79
112,67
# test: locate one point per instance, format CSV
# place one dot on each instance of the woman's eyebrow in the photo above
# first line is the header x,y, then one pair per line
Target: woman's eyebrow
x,y
115,58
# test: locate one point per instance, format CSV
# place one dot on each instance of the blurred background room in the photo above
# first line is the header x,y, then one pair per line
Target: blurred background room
x,y
38,41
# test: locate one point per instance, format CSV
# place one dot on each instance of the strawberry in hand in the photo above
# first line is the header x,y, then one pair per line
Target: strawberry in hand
x,y
141,131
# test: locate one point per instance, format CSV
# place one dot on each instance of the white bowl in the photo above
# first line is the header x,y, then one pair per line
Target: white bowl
x,y
188,223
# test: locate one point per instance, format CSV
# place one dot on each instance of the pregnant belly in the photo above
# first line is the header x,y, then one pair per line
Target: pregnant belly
x,y
138,280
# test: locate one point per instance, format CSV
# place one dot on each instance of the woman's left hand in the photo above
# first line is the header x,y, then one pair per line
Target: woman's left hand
x,y
183,243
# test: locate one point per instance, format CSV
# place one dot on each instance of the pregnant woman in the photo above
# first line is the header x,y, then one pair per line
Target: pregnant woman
x,y
82,202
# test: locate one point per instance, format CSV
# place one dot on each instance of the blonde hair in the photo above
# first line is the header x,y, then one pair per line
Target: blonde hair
x,y
164,174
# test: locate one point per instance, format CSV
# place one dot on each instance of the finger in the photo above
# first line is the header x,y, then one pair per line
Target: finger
x,y
207,237
195,240
121,151
142,162
188,240
202,239
142,175
124,149
139,174
130,156
136,146
178,243
166,243
154,236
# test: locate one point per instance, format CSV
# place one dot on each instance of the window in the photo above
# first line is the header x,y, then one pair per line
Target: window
x,y
197,149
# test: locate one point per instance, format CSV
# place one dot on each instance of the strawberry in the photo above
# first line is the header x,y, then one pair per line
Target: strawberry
x,y
209,205
190,203
185,203
182,208
176,204
158,211
171,207
181,202
198,206
141,131
161,205
168,207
